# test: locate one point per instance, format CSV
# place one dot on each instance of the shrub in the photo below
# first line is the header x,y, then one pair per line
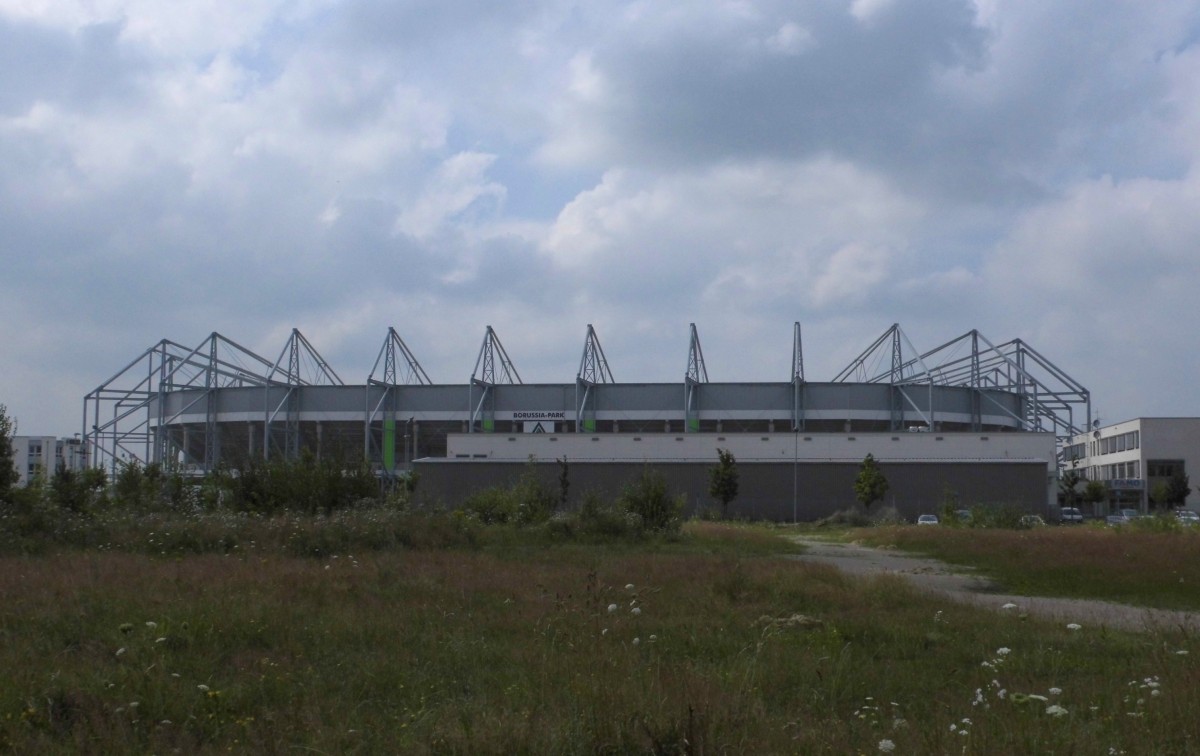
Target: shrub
x,y
648,498
496,505
887,516
607,520
996,516
1163,522
855,518
526,502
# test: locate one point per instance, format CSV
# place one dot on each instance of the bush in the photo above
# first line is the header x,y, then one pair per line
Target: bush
x,y
996,516
1162,522
306,484
526,502
647,497
887,516
492,506
854,518
606,520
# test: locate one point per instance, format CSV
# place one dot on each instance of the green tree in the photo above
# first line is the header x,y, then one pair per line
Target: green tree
x,y
1177,489
1067,485
1095,492
870,485
564,481
723,480
1160,494
8,468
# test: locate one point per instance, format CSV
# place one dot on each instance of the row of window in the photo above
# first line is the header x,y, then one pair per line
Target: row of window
x,y
1119,471
1111,445
1118,443
1155,468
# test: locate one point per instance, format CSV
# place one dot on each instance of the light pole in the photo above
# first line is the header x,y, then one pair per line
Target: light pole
x,y
795,457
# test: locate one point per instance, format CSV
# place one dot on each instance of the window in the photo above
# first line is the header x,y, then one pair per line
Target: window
x,y
1163,468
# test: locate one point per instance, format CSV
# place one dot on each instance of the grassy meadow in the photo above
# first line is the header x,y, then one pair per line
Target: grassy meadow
x,y
380,631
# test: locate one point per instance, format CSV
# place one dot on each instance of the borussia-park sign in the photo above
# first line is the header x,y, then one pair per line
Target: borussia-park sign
x,y
534,415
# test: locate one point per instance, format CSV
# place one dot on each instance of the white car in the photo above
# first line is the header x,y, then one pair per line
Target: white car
x,y
1071,516
927,520
1187,517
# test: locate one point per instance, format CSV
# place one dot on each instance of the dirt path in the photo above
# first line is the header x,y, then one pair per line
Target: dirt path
x,y
959,584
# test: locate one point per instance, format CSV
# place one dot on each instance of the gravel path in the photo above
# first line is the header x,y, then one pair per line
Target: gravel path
x,y
959,584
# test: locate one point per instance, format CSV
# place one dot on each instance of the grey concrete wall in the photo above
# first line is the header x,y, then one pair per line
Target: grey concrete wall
x,y
765,488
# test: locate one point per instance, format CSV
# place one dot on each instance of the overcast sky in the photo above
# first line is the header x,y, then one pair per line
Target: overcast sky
x,y
1027,168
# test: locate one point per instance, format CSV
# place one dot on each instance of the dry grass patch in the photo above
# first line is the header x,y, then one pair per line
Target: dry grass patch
x,y
1144,568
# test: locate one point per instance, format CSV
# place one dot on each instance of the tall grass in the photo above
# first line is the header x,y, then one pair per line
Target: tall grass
x,y
683,645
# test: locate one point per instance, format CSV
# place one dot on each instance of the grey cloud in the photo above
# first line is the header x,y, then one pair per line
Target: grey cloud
x,y
83,70
923,90
859,88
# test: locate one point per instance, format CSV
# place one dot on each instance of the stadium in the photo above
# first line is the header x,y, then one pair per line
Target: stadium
x,y
970,421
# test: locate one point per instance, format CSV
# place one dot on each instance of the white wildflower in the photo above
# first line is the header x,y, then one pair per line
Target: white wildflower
x,y
202,688
886,746
635,611
120,651
152,625
1055,710
629,586
1074,626
637,641
612,608
1004,651
1056,691
1181,652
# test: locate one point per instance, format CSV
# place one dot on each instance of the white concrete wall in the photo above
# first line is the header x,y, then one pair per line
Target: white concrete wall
x,y
755,447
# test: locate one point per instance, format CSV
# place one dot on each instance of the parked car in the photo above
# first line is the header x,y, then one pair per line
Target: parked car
x,y
963,515
1129,513
1117,519
927,519
1071,516
1187,517
1032,521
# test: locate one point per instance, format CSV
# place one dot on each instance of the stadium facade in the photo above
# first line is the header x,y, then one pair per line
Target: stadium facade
x,y
970,417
